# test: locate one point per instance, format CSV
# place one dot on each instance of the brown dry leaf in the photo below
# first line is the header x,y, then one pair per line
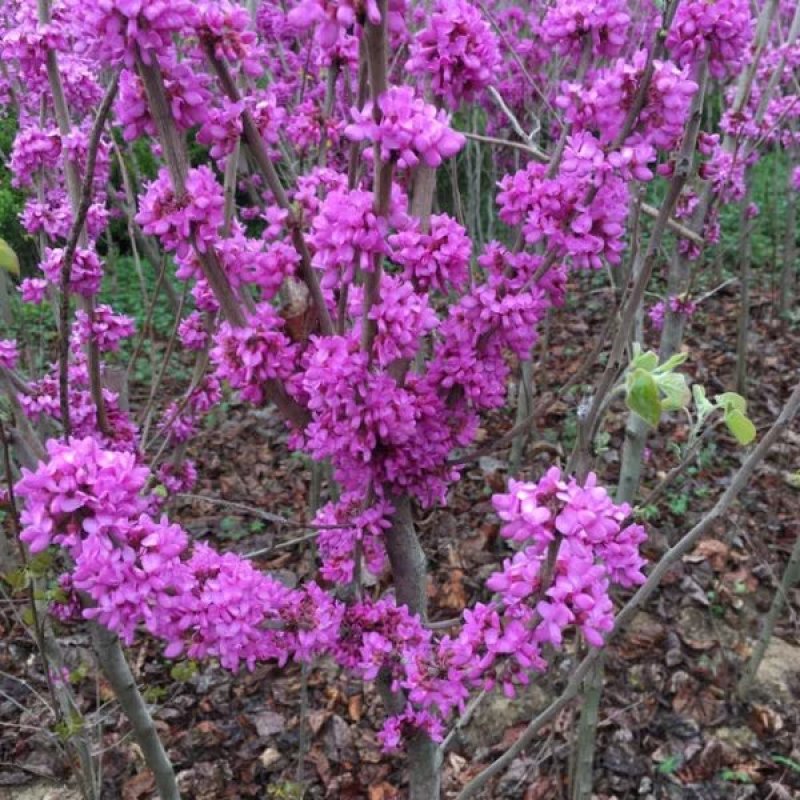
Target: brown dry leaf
x,y
644,632
711,550
541,789
457,763
140,787
452,594
338,741
705,765
764,720
382,791
702,706
321,764
355,707
209,733
316,719
335,697
268,723
695,629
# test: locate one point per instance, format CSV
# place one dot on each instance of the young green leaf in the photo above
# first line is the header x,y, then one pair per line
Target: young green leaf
x,y
730,401
676,391
702,403
740,426
643,397
647,361
672,362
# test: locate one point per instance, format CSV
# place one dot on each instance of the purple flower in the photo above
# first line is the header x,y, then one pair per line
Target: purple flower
x,y
604,23
457,50
249,357
9,355
718,29
409,129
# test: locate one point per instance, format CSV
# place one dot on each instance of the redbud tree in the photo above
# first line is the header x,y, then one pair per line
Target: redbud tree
x,y
299,169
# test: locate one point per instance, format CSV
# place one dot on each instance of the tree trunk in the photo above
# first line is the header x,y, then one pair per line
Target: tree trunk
x,y
410,576
115,668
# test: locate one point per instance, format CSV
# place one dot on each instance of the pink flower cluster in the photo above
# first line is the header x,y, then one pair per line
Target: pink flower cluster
x,y
227,28
107,328
192,332
438,259
86,273
469,356
347,233
180,222
555,210
457,51
249,357
336,18
594,551
33,150
677,305
720,30
600,104
409,129
348,531
9,354
602,24
122,30
403,319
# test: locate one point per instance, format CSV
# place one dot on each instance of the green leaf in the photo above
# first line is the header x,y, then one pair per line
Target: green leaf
x,y
672,362
730,401
676,391
41,563
740,426
184,671
787,762
669,765
8,258
17,579
643,397
702,403
647,361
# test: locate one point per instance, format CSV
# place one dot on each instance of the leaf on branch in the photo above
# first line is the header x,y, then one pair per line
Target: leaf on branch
x,y
643,397
676,391
702,403
740,426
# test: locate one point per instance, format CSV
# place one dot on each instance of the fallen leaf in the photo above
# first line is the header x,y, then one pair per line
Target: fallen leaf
x,y
268,723
711,550
316,719
269,757
382,791
764,720
140,787
452,594
355,707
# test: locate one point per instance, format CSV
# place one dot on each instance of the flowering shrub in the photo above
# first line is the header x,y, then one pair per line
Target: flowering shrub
x,y
337,268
